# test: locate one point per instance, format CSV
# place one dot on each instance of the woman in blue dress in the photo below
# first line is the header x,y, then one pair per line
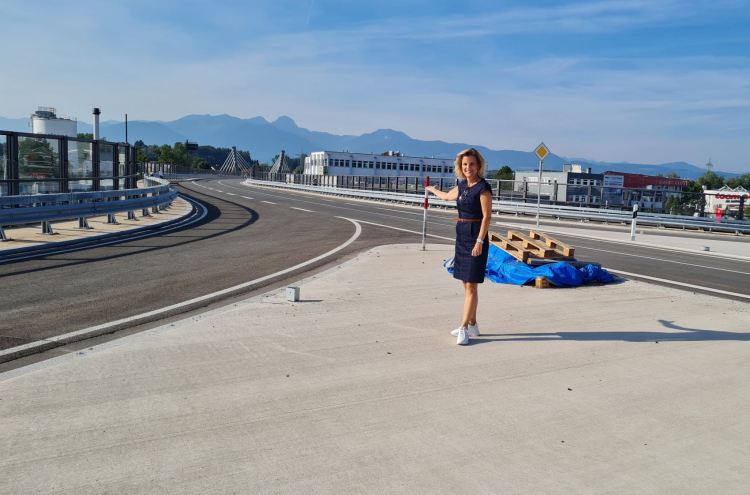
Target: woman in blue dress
x,y
473,196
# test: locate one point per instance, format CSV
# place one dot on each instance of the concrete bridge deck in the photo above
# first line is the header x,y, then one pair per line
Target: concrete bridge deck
x,y
624,388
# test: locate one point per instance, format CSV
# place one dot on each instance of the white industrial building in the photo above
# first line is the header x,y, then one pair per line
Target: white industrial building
x,y
726,200
46,121
390,163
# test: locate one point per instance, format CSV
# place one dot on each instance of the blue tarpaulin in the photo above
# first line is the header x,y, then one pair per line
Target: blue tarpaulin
x,y
503,268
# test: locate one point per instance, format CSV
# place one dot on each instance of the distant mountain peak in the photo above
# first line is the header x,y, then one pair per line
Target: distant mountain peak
x,y
285,124
258,120
388,134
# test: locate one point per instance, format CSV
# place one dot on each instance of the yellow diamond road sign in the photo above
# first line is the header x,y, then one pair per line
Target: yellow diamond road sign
x,y
541,152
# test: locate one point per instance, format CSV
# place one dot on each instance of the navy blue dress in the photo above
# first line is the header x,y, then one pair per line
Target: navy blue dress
x,y
466,267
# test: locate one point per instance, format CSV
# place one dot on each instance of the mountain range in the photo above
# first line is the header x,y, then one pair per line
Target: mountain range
x,y
264,140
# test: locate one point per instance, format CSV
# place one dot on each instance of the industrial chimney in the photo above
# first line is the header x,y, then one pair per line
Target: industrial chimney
x,y
96,113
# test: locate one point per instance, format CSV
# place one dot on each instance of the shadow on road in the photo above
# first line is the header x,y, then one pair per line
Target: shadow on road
x,y
681,334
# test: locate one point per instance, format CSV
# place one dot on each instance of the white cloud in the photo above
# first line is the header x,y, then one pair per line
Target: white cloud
x,y
369,76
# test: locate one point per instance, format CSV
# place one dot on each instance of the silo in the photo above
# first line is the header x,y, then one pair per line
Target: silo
x,y
46,121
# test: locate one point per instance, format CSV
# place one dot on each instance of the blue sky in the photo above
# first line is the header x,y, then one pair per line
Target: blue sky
x,y
627,80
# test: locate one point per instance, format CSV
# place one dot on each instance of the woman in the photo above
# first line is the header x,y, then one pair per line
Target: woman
x,y
473,197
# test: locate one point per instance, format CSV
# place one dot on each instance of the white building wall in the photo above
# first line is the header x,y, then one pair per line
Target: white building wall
x,y
345,163
62,127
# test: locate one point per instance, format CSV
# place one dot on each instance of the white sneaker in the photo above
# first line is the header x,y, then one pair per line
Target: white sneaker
x,y
462,338
472,330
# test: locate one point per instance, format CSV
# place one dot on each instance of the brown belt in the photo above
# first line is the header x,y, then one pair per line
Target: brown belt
x,y
467,219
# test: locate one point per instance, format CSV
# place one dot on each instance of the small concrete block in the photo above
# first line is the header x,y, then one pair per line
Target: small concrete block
x,y
292,294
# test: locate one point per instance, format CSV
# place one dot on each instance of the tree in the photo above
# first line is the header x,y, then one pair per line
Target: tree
x,y
141,156
89,135
506,174
37,158
200,163
741,181
671,205
673,175
711,180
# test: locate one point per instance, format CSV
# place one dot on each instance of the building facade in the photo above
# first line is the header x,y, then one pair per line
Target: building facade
x,y
727,201
573,184
390,163
648,191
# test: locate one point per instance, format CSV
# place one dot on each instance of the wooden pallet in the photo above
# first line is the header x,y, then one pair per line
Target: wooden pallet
x,y
558,246
512,248
536,247
533,249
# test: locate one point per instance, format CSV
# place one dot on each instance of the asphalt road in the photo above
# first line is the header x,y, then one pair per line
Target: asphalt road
x,y
706,270
253,232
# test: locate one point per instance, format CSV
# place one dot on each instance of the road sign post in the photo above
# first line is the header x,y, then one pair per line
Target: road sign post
x,y
541,152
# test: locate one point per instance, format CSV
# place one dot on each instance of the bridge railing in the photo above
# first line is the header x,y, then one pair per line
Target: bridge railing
x,y
546,210
588,195
45,208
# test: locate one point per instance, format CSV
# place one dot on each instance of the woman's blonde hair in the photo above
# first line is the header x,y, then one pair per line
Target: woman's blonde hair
x,y
458,170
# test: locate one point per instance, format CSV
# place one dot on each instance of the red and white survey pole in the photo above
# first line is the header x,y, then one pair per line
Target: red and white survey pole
x,y
424,221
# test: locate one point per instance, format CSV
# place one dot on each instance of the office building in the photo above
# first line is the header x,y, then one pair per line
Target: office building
x,y
390,163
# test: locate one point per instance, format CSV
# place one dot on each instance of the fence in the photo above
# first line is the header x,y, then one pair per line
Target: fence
x,y
45,208
33,164
168,169
552,193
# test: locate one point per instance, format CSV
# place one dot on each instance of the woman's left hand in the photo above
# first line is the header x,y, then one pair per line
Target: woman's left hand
x,y
477,251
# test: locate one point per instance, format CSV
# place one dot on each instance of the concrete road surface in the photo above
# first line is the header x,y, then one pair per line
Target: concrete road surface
x,y
359,388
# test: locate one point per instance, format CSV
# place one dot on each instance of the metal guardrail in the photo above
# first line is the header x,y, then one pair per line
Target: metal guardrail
x,y
569,212
45,208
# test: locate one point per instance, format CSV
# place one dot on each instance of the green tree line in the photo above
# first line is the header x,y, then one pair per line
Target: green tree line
x,y
204,157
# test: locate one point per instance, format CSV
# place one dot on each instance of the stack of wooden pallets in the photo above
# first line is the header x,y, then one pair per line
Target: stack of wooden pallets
x,y
533,249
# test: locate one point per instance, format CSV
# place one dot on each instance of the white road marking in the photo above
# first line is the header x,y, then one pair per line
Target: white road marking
x,y
672,282
681,284
418,218
301,209
666,261
97,330
231,194
402,230
245,197
269,202
620,242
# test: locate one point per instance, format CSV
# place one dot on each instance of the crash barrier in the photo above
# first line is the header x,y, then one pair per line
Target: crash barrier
x,y
738,227
46,208
168,169
581,193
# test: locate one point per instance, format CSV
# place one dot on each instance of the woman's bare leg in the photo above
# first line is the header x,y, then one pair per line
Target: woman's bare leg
x,y
471,298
